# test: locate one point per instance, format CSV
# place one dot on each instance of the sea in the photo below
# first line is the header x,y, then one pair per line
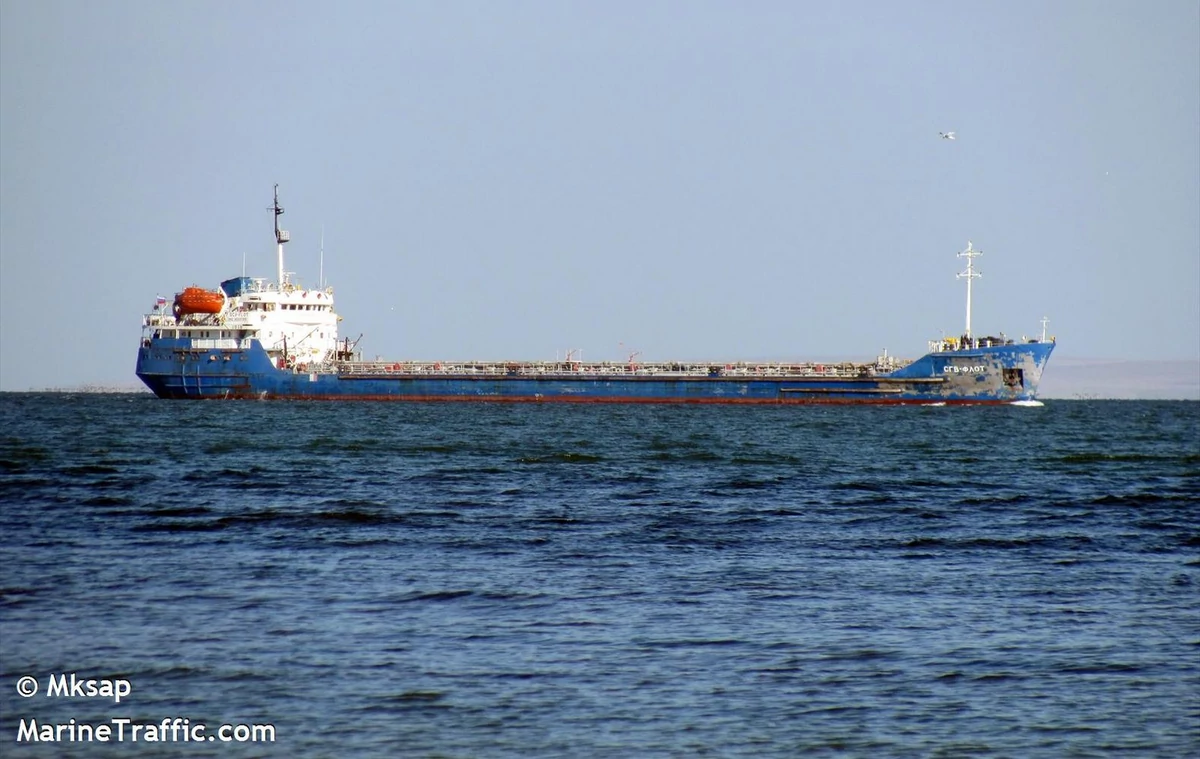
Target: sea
x,y
298,579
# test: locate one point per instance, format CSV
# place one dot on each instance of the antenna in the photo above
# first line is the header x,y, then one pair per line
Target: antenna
x,y
281,236
970,273
1044,320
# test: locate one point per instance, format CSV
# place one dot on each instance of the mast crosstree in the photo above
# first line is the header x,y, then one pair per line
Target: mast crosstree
x,y
969,274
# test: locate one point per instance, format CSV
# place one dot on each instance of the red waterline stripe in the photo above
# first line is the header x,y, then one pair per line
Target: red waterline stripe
x,y
614,400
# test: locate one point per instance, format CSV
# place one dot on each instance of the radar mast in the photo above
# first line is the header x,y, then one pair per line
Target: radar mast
x,y
281,236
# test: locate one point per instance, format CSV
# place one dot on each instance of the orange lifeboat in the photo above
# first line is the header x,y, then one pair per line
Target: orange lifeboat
x,y
197,300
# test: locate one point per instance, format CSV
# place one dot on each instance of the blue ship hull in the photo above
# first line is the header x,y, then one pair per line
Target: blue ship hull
x,y
209,344
1004,373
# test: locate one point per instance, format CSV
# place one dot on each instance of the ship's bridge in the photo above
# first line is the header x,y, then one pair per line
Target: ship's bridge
x,y
295,322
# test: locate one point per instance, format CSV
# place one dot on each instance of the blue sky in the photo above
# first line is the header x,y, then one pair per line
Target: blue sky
x,y
692,180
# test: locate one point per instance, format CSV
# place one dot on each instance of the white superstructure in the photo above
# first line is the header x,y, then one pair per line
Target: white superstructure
x,y
292,322
297,326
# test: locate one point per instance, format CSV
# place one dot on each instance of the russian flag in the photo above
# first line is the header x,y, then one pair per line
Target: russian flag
x,y
160,301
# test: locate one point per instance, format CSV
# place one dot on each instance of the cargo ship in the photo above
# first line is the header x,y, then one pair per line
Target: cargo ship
x,y
254,338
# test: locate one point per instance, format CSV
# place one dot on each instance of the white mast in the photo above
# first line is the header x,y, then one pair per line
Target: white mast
x,y
321,278
970,273
1044,320
280,236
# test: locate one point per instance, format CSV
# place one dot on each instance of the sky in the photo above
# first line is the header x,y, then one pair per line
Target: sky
x,y
688,180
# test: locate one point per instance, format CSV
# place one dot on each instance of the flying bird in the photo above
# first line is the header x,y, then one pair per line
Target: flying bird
x,y
946,135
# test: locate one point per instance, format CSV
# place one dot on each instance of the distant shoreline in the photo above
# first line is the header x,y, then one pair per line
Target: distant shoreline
x,y
1124,379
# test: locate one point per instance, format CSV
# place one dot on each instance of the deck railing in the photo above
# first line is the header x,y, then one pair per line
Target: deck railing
x,y
665,370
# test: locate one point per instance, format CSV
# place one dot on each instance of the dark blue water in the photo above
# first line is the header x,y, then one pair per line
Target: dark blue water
x,y
606,581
